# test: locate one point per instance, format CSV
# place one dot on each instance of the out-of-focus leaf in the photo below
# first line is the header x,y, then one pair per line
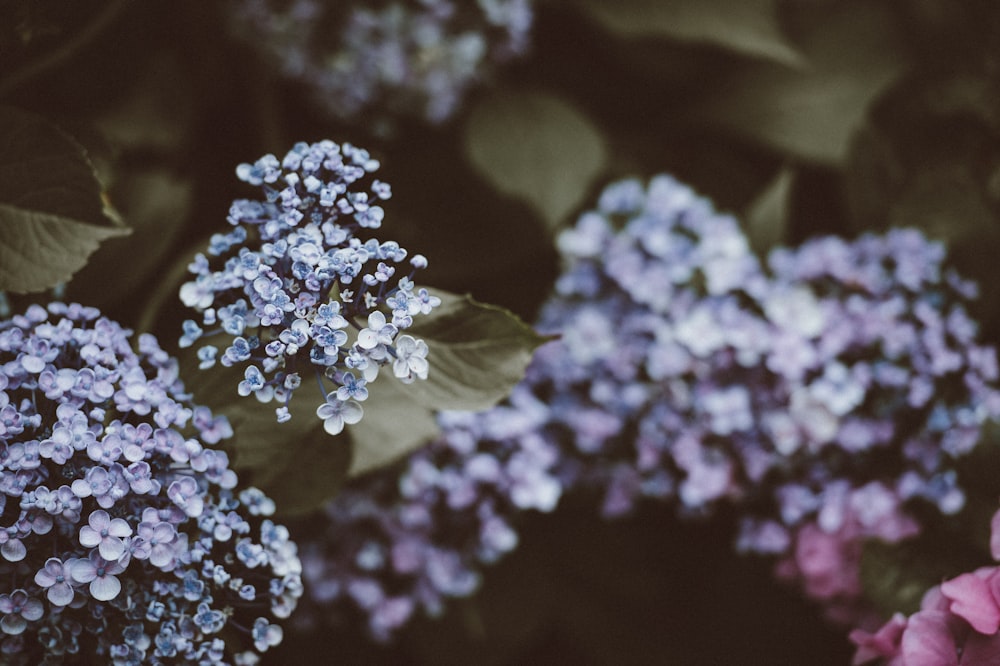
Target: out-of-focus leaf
x,y
927,158
853,53
158,110
767,215
296,463
156,204
896,576
744,26
395,424
52,214
536,147
477,354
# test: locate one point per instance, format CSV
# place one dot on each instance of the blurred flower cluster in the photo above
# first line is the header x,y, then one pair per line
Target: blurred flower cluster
x,y
295,279
123,535
390,544
400,57
824,396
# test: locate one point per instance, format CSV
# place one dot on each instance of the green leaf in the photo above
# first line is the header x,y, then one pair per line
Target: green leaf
x,y
853,54
395,424
477,354
536,147
767,216
297,463
52,214
750,27
156,204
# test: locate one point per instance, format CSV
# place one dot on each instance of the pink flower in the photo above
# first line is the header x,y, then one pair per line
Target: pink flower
x,y
972,599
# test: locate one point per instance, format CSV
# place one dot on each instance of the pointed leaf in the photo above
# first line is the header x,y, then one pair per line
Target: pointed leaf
x,y
853,54
296,463
156,204
395,424
767,215
745,26
477,354
52,215
536,147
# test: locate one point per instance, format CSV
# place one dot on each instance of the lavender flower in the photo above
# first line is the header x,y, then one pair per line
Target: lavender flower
x,y
395,58
824,397
298,294
123,538
393,546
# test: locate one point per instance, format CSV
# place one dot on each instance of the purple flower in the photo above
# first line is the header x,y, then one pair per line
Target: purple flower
x,y
101,574
18,609
123,429
56,579
106,533
278,277
380,62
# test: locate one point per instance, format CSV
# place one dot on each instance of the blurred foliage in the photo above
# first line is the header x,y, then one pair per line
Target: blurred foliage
x,y
805,116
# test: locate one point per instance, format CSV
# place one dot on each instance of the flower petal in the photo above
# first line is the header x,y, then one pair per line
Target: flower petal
x,y
972,600
105,588
60,594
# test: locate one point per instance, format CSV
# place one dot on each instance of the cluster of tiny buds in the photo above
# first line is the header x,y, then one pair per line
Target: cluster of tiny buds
x,y
122,533
399,58
299,293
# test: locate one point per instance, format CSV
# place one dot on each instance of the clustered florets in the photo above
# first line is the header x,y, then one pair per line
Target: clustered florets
x,y
824,396
400,57
391,547
122,533
296,281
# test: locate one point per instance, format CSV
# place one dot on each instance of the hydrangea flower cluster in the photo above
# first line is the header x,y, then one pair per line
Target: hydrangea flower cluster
x,y
122,535
958,623
299,293
389,58
824,397
393,545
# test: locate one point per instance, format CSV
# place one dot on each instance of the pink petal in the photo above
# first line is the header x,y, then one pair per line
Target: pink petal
x,y
981,650
13,550
995,536
119,528
13,624
928,640
972,600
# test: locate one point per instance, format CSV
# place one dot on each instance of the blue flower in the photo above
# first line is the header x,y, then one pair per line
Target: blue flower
x,y
394,59
284,278
109,491
335,413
